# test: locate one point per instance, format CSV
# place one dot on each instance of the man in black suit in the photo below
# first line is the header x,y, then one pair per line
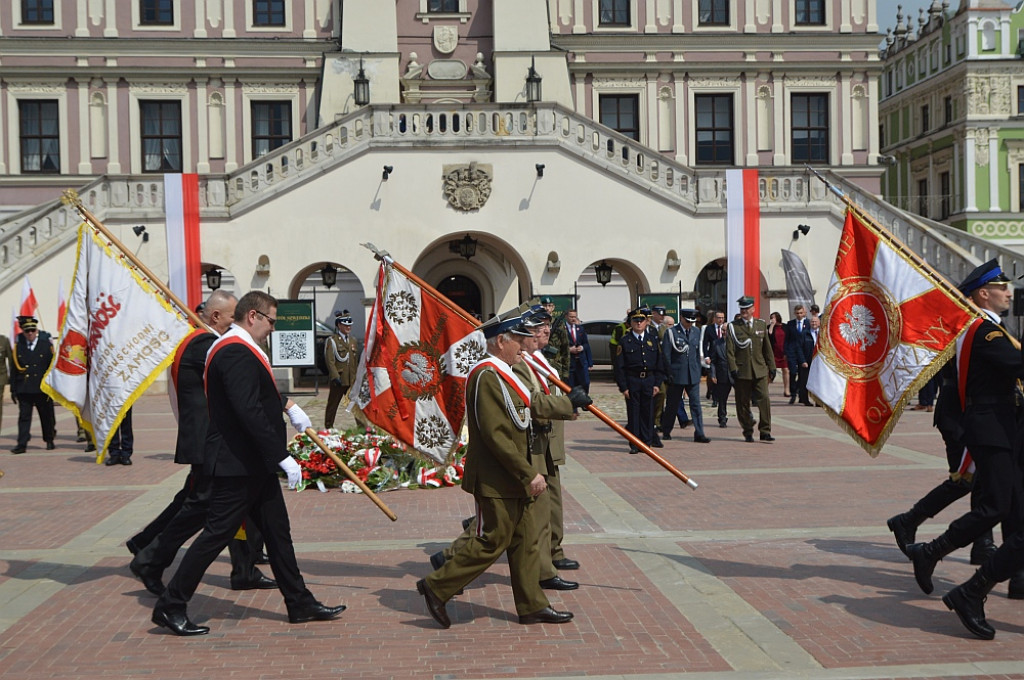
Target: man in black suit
x,y
718,363
990,416
803,344
31,356
156,546
245,409
797,330
580,358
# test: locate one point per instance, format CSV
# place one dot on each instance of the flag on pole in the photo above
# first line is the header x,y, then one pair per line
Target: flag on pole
x,y
29,306
888,326
743,238
62,304
184,255
417,357
119,333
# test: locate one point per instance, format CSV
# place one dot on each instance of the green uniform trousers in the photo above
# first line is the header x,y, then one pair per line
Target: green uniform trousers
x,y
556,525
757,390
508,527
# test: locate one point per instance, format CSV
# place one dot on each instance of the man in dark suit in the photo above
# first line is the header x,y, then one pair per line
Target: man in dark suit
x,y
245,410
991,366
156,546
580,358
717,361
803,344
796,330
639,369
30,357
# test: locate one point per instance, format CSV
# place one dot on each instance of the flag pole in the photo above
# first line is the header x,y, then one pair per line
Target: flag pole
x,y
614,425
898,245
70,197
386,258
311,433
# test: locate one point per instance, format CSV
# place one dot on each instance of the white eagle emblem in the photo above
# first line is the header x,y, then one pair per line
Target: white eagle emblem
x,y
859,327
418,370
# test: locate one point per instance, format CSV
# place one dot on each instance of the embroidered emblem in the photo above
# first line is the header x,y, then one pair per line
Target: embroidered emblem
x,y
859,329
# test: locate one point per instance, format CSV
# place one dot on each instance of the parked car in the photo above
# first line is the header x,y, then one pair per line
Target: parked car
x,y
599,333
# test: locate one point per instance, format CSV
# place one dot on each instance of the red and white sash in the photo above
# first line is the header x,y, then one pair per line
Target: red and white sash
x,y
505,371
238,336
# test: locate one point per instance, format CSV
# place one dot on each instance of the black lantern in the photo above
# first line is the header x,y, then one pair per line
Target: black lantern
x,y
362,86
213,278
329,275
533,82
603,273
465,247
801,229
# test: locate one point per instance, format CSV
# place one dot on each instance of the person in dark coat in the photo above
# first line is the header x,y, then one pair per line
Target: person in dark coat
x,y
245,410
681,349
717,359
639,368
30,358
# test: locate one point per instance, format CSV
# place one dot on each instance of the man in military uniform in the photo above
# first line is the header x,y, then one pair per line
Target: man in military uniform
x,y
639,372
991,410
30,358
342,356
681,347
658,324
751,366
558,350
504,481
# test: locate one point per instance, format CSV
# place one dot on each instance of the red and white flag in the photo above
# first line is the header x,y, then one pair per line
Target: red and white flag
x,y
184,255
62,304
117,336
412,378
743,238
29,306
888,326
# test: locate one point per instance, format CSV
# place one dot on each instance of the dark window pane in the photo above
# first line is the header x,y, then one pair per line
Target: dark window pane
x,y
810,12
161,136
621,112
271,126
443,6
810,128
156,12
39,135
268,12
37,11
713,12
614,12
714,128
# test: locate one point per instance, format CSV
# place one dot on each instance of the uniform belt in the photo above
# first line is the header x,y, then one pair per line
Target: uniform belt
x,y
541,428
986,400
639,373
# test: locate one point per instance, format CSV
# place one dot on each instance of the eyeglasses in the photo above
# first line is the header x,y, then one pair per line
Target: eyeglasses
x,y
270,319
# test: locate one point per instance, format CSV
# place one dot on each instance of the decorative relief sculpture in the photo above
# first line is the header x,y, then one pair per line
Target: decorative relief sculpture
x,y
446,38
467,187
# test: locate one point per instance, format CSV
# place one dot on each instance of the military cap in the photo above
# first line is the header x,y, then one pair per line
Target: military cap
x,y
28,323
983,275
513,324
536,316
745,302
546,300
343,317
639,313
688,314
660,309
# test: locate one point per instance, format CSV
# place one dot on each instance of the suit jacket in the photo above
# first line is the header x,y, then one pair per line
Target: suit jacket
x,y
795,341
750,352
247,411
681,348
33,364
5,360
342,357
498,463
804,347
581,339
193,414
990,410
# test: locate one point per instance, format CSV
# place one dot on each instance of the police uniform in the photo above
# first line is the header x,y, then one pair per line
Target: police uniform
x,y
30,362
751,362
639,368
341,353
681,347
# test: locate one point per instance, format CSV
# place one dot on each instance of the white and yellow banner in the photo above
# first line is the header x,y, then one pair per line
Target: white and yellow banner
x,y
117,335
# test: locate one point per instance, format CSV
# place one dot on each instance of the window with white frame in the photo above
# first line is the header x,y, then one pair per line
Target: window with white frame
x,y
39,12
714,129
809,128
810,12
621,112
160,134
39,135
713,12
271,126
614,13
156,12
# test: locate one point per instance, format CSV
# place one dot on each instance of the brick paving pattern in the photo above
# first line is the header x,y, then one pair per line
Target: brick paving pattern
x,y
778,566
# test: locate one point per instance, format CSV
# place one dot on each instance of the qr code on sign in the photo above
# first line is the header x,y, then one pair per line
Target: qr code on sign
x,y
291,346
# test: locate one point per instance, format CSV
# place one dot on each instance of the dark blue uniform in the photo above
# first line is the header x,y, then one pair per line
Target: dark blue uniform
x,y
639,367
29,367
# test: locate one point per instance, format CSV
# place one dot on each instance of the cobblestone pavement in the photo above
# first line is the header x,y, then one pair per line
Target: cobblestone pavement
x,y
778,566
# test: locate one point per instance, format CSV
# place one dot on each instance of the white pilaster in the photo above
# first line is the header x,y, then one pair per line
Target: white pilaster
x,y
229,20
845,107
200,30
749,94
677,16
114,130
82,12
845,21
309,29
682,129
84,150
970,201
110,19
577,17
230,135
202,127
993,173
650,26
781,124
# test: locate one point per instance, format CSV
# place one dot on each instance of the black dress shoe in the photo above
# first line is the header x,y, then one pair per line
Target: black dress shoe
x,y
806,403
112,460
722,423
434,604
558,583
546,615
314,612
657,444
50,446
132,546
18,449
125,460
767,438
749,438
633,449
792,400
700,439
686,424
437,560
666,436
261,582
81,439
149,577
565,563
177,623
90,447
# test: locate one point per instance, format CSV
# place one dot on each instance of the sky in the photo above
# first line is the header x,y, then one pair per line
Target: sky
x,y
886,11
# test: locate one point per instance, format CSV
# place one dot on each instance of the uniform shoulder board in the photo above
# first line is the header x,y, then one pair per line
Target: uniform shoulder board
x,y
992,335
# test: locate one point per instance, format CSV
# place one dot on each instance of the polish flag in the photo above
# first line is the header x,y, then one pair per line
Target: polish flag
x,y
29,305
184,257
62,304
743,238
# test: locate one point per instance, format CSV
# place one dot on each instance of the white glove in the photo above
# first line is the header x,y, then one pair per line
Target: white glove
x,y
292,469
300,421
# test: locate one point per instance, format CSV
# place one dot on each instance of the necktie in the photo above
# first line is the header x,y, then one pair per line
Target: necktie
x,y
719,332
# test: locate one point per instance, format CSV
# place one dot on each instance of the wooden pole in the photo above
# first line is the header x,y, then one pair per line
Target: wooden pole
x,y
384,257
72,198
351,475
681,476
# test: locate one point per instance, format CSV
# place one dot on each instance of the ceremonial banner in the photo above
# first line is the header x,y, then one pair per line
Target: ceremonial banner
x,y
889,324
416,359
118,335
743,238
184,255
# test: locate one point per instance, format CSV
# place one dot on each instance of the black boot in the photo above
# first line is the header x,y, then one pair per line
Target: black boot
x,y
904,528
1016,591
984,547
968,601
925,556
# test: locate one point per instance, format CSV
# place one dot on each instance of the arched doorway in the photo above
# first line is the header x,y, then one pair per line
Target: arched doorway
x,y
711,288
463,291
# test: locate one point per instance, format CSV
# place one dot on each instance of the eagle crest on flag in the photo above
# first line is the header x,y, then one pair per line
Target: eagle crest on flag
x,y
858,327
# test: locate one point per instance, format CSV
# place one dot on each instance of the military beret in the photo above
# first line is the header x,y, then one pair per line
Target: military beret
x,y
546,300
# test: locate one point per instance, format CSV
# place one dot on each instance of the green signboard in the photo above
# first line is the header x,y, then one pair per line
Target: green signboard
x,y
669,300
293,341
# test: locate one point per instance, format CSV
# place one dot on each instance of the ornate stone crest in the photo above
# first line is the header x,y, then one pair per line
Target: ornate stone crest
x,y
467,187
446,38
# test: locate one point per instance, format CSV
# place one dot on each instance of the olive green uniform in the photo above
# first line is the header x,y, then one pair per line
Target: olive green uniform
x,y
498,473
341,354
559,341
659,398
751,357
